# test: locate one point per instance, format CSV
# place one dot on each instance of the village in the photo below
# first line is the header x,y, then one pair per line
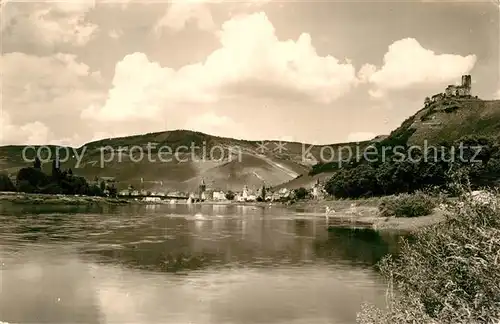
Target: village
x,y
206,194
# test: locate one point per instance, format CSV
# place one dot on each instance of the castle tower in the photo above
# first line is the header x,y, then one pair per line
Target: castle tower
x,y
466,84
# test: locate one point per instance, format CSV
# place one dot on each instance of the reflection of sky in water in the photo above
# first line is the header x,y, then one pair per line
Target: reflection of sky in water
x,y
57,287
250,266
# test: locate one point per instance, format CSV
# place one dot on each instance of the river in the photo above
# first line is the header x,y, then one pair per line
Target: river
x,y
183,264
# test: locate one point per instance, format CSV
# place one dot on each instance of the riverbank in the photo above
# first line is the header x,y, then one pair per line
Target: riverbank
x,y
346,213
359,213
365,214
41,199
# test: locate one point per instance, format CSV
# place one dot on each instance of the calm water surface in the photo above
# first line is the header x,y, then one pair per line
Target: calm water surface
x,y
183,264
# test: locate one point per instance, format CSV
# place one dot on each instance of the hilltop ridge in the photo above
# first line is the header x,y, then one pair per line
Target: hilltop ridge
x,y
223,163
229,164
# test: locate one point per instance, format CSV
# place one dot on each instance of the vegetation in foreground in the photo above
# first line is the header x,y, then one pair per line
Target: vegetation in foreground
x,y
407,205
448,273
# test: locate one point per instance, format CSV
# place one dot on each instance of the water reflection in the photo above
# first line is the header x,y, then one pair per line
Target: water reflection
x,y
358,246
184,263
43,285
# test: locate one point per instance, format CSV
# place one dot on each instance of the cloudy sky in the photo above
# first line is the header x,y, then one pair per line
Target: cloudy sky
x,y
311,71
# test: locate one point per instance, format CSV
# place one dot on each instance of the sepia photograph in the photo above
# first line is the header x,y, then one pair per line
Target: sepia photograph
x,y
250,161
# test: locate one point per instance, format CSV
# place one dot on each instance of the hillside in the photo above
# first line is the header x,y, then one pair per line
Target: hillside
x,y
235,163
449,120
444,121
232,164
452,119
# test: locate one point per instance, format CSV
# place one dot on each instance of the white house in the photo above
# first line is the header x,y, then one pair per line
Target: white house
x,y
219,195
152,199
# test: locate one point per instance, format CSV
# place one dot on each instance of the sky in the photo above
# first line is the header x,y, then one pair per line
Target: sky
x,y
318,72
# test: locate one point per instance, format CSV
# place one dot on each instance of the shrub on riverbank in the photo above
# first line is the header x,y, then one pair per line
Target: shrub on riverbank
x,y
5,183
407,205
301,193
450,273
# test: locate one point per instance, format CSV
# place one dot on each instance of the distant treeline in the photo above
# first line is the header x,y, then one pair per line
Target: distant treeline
x,y
396,167
34,180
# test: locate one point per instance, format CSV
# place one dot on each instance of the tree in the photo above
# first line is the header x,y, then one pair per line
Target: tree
x,y
34,177
263,193
5,183
94,190
56,172
37,164
301,193
102,185
112,190
230,195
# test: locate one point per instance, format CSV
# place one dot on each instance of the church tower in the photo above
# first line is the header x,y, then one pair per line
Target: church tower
x,y
316,189
202,189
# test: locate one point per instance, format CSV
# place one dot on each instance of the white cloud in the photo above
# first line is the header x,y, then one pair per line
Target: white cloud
x,y
408,64
47,90
256,65
360,136
179,13
48,23
115,33
366,72
30,133
34,80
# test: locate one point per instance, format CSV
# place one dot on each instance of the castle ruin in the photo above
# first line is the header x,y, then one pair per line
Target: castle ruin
x,y
460,90
453,91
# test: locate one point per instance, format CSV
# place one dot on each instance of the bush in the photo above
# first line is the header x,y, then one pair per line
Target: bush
x,y
230,195
35,177
5,183
407,205
26,186
301,193
52,188
95,190
449,273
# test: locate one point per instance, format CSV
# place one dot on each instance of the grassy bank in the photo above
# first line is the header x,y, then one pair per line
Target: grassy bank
x,y
403,213
448,273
